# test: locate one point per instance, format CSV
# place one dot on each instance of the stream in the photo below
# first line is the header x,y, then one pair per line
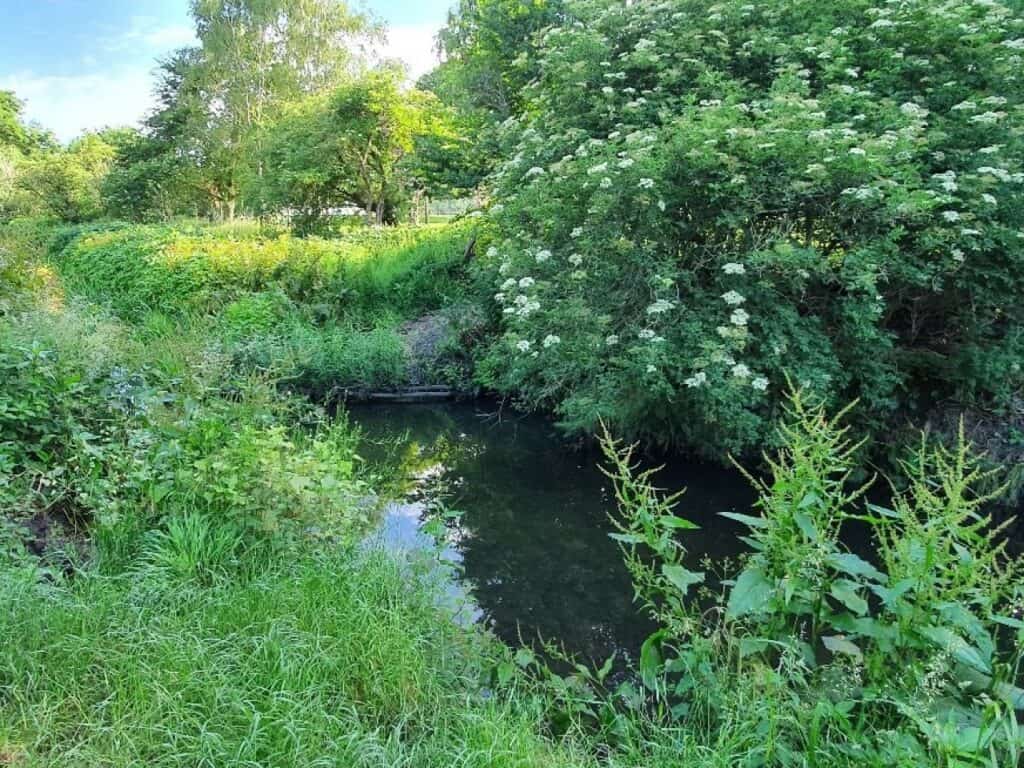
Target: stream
x,y
531,542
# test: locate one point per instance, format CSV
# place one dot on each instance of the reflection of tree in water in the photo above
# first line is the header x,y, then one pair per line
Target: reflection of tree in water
x,y
534,532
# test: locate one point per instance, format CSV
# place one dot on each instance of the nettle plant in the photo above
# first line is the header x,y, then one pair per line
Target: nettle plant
x,y
913,653
702,195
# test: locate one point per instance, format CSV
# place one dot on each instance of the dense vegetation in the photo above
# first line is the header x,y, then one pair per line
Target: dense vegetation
x,y
709,225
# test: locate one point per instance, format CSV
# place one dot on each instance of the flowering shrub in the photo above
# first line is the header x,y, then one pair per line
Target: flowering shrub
x,y
705,197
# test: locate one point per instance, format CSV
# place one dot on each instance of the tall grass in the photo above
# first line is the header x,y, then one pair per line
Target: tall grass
x,y
334,659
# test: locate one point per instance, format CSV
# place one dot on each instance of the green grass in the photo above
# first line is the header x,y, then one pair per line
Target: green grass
x,y
334,659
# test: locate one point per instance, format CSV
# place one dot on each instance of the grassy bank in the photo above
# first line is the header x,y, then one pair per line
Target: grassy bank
x,y
181,565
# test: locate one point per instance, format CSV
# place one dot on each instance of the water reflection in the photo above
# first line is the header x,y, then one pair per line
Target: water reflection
x,y
532,541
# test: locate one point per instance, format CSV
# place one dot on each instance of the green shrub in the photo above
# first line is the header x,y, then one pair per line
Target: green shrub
x,y
811,650
702,196
137,270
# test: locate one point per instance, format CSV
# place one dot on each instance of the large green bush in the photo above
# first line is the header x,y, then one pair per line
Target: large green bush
x,y
706,196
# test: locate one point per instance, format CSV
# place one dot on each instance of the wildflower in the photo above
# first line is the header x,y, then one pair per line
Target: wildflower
x,y
526,282
551,340
606,183
697,380
659,307
576,232
509,284
492,252
612,340
651,369
739,317
740,371
608,90
646,334
524,346
734,268
964,106
951,215
646,184
988,117
535,171
626,162
661,205
857,151
500,298
543,256
575,259
958,255
990,199
733,299
597,169
853,72
760,383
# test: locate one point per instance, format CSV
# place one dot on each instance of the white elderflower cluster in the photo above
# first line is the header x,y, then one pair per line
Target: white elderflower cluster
x,y
699,379
733,299
660,307
739,317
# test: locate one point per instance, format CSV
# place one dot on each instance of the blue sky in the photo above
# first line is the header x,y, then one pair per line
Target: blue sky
x,y
82,64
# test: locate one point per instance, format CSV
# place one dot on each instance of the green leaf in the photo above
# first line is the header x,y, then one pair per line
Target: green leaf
x,y
524,657
681,577
806,526
839,644
962,651
852,565
505,672
846,593
809,499
750,594
650,660
890,595
748,520
750,646
679,523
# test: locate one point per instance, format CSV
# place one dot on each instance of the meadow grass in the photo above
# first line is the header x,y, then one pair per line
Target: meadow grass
x,y
334,658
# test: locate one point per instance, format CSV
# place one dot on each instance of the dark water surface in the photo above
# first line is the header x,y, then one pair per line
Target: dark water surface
x,y
533,540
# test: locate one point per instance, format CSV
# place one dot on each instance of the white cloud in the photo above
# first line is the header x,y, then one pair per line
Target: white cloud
x,y
68,105
413,44
146,34
114,87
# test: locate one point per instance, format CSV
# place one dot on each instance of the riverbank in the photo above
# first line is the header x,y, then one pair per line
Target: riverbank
x,y
207,597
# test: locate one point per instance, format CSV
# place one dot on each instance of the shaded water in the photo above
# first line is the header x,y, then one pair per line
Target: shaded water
x,y
533,540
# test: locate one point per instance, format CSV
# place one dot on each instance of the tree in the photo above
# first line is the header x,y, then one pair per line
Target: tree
x,y
149,181
348,147
254,55
13,133
65,183
490,50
